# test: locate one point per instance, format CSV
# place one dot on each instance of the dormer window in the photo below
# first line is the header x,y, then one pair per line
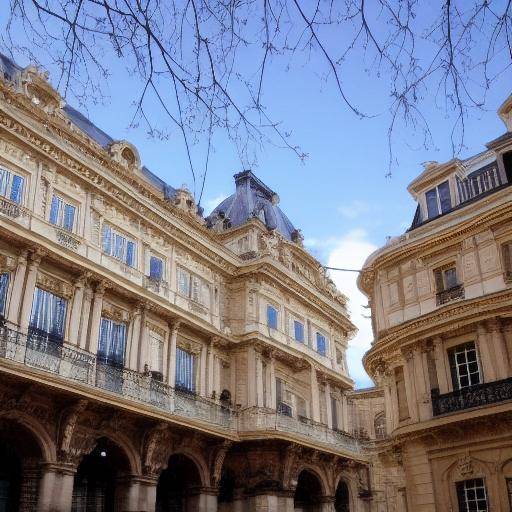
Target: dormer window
x,y
438,200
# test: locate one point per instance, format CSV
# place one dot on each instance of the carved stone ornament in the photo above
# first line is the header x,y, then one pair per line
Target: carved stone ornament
x,y
54,285
67,426
217,458
465,465
67,240
115,313
7,263
157,449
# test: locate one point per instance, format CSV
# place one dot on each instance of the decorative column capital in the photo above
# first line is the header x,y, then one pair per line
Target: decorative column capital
x,y
494,324
174,325
36,256
101,287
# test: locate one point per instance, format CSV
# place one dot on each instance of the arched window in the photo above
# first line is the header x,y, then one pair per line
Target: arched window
x,y
380,425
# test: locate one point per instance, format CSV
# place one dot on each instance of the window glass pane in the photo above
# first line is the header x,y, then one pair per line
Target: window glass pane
x,y
106,239
185,370
432,208
118,248
55,209
183,282
155,268
320,344
48,313
5,177
450,277
299,330
272,317
4,285
130,253
17,189
444,197
68,221
111,345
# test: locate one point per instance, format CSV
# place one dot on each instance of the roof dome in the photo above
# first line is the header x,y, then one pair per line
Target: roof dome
x,y
252,199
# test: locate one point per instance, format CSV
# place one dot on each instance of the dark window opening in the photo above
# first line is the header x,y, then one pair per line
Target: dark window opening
x,y
507,163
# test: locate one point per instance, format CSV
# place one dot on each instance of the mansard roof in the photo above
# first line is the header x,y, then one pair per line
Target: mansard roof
x,y
253,199
10,70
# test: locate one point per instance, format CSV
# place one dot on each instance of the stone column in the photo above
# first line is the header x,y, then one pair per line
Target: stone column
x,y
143,335
315,396
134,339
388,407
259,381
251,377
13,313
441,359
327,504
56,487
171,363
139,494
328,404
410,387
210,380
270,399
500,349
84,321
97,305
76,311
344,413
486,361
421,379
30,287
202,370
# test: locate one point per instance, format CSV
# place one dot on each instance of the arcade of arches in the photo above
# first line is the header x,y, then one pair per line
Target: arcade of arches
x,y
61,455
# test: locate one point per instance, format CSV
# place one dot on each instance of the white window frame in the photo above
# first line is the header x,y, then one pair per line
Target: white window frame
x,y
438,199
8,189
193,281
116,232
65,201
473,489
465,363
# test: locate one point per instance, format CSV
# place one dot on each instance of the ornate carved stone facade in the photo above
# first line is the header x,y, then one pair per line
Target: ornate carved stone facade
x,y
442,316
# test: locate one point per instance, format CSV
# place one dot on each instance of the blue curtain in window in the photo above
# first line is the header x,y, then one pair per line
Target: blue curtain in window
x,y
272,317
320,344
17,188
112,342
69,217
155,268
54,210
299,331
106,239
5,177
185,362
48,314
4,285
118,248
130,254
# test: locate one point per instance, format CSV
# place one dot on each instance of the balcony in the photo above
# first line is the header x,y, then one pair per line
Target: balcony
x,y
265,420
453,293
71,364
474,396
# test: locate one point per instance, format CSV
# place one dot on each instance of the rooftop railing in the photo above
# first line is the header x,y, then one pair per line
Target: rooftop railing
x,y
37,350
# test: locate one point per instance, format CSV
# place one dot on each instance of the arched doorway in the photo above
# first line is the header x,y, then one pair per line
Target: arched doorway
x,y
342,501
96,485
308,493
20,458
178,486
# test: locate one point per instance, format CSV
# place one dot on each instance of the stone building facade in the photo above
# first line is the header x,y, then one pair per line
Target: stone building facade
x,y
151,359
442,316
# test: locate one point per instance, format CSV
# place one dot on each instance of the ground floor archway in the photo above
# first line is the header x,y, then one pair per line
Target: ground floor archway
x,y
178,486
308,493
98,481
342,498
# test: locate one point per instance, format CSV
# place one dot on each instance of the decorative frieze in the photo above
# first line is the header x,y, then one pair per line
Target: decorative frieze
x,y
54,285
66,239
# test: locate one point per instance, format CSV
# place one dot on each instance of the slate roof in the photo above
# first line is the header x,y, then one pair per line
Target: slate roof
x,y
9,69
253,198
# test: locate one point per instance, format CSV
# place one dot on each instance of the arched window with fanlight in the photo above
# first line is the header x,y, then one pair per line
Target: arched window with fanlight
x,y
380,425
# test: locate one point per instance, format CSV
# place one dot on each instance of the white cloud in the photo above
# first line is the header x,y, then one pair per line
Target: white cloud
x,y
213,202
354,209
350,251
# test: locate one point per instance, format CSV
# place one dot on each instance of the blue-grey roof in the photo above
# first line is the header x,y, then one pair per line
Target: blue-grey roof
x,y
8,69
251,199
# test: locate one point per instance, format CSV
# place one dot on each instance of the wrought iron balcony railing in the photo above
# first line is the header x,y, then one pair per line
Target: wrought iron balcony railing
x,y
456,292
474,396
267,420
41,351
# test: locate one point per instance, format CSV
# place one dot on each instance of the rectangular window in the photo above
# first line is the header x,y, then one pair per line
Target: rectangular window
x,y
401,394
446,279
112,342
185,370
4,286
11,185
48,316
183,282
298,328
193,287
464,366
271,316
118,246
156,268
438,200
321,344
472,496
62,213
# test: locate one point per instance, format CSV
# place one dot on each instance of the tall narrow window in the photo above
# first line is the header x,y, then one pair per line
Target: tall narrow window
x,y
271,316
156,268
472,496
118,246
464,366
401,395
298,328
183,282
321,344
438,200
380,425
185,370
48,315
11,185
112,342
506,260
4,286
62,213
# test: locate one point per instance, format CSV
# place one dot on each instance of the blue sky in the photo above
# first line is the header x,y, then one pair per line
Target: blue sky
x,y
339,196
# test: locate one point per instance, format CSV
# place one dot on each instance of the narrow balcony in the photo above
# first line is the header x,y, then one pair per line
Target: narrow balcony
x,y
475,396
456,292
40,351
265,420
